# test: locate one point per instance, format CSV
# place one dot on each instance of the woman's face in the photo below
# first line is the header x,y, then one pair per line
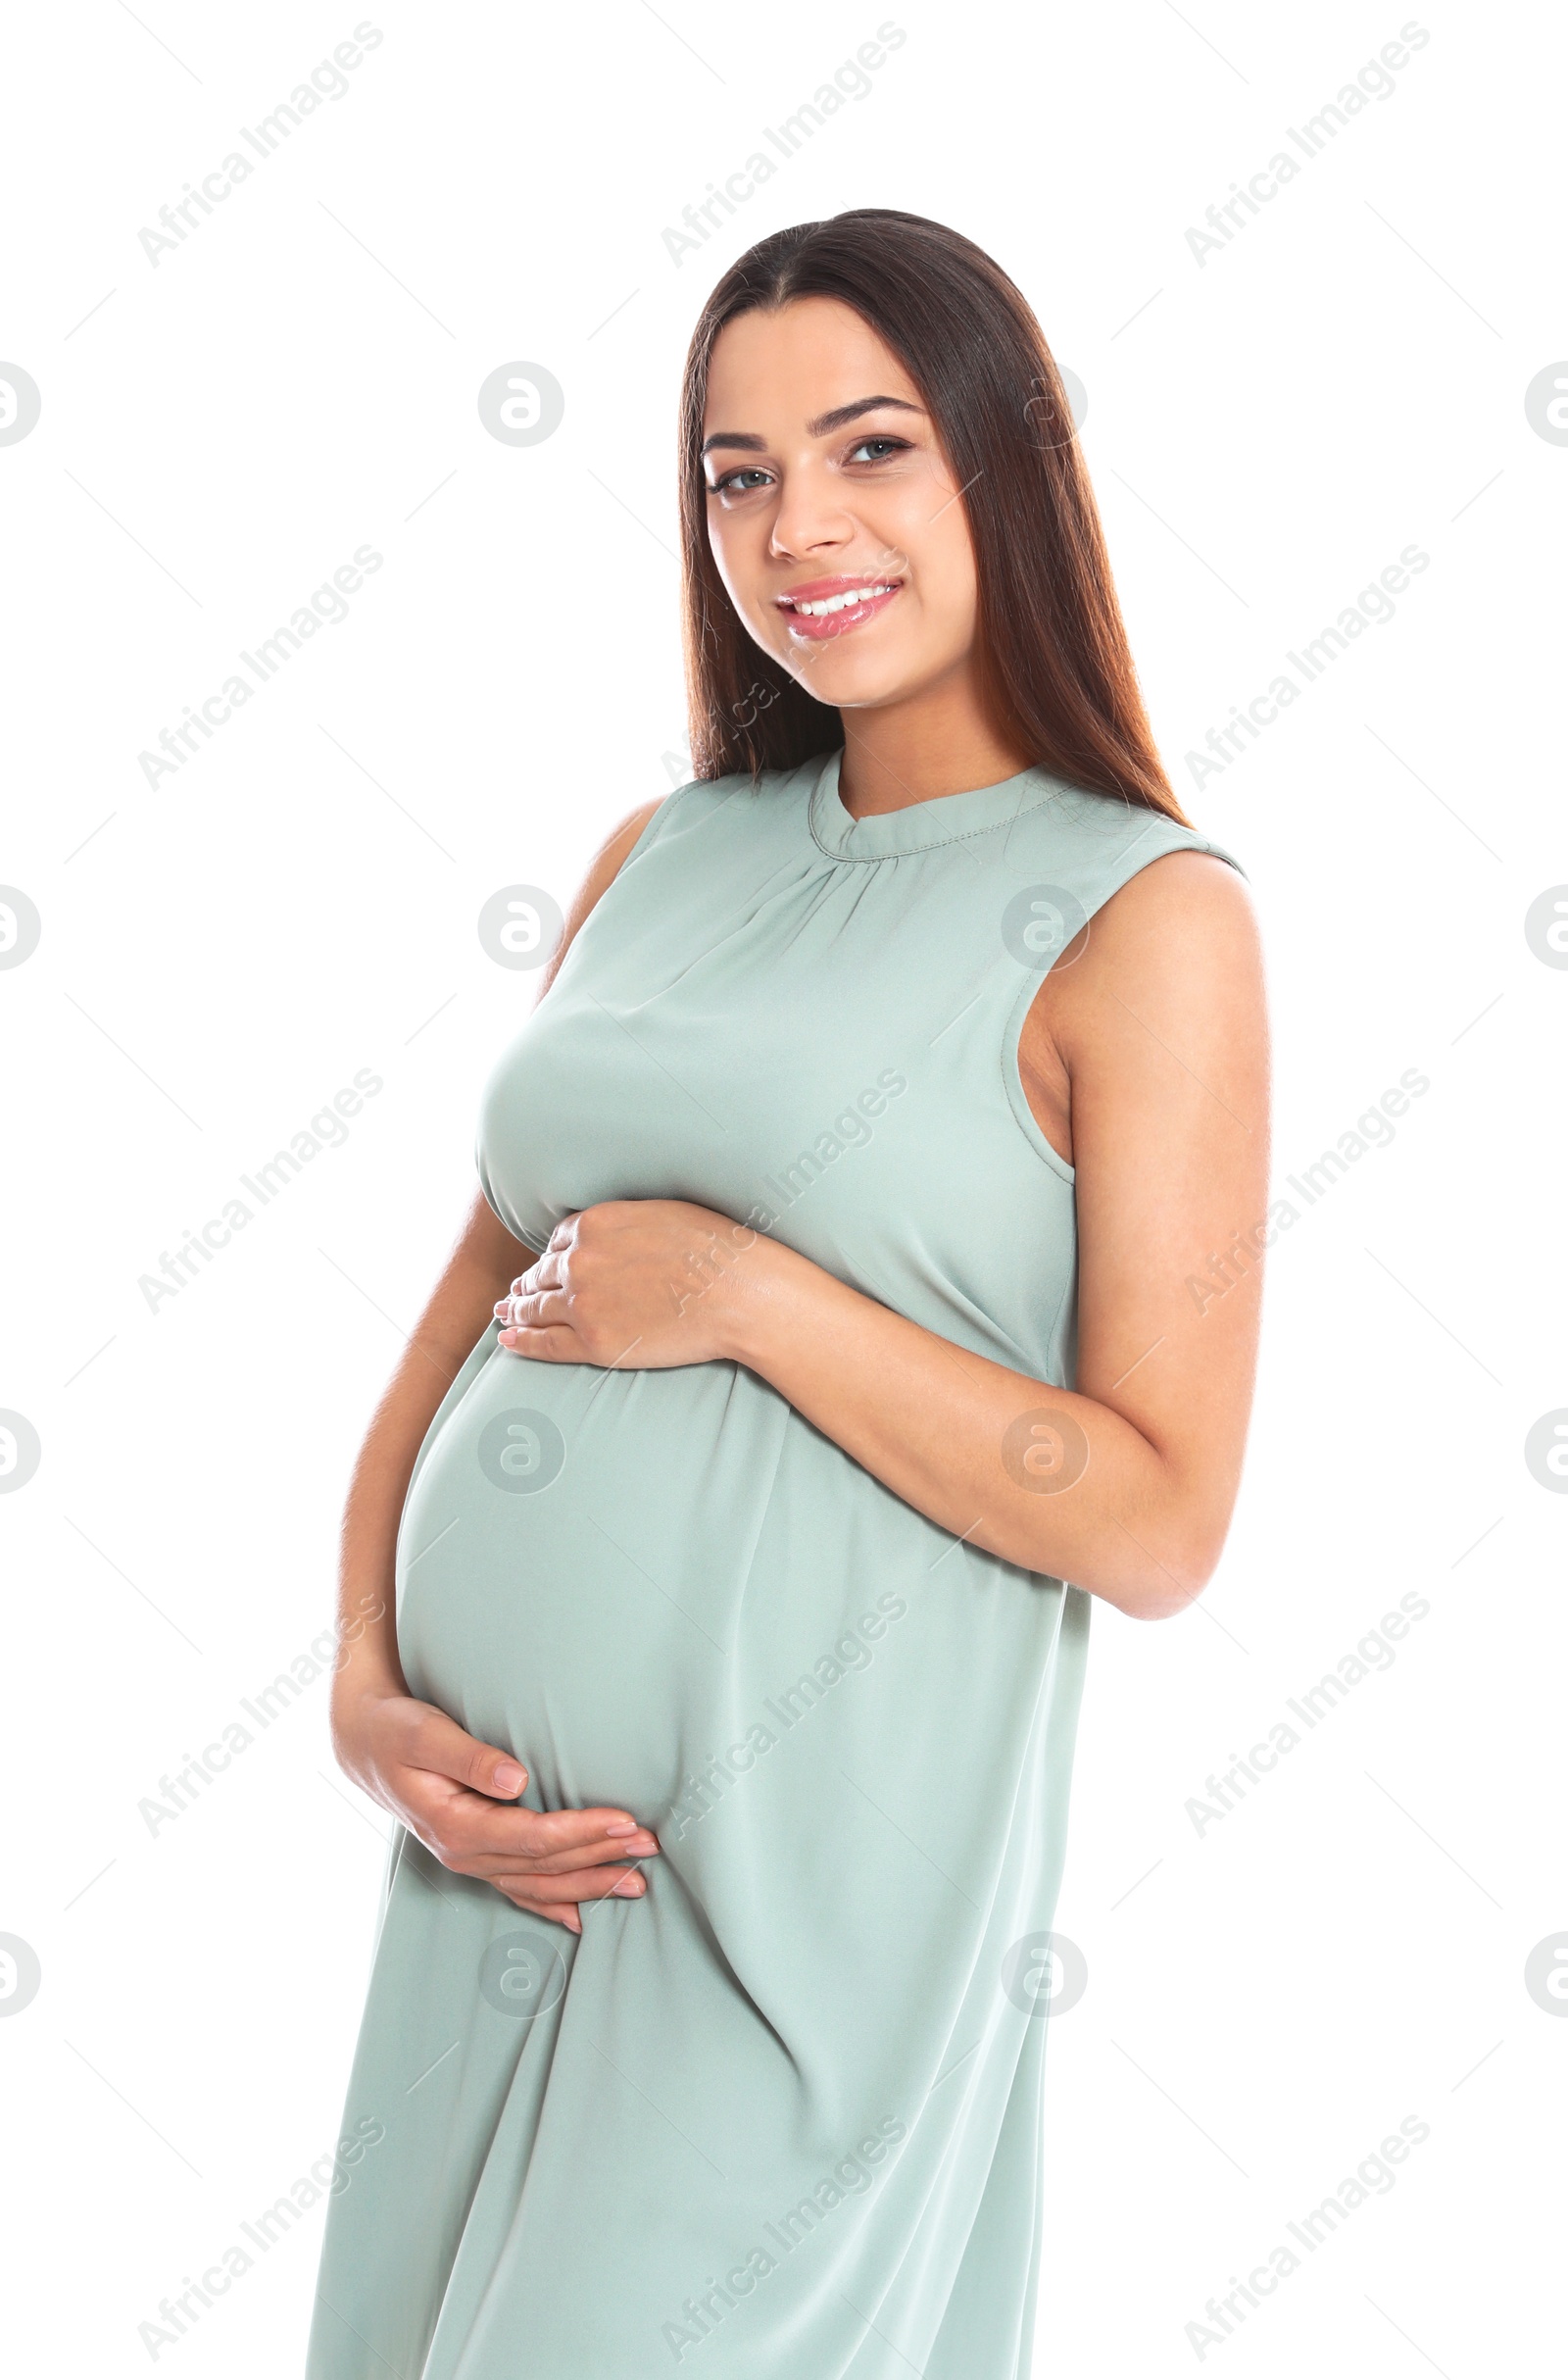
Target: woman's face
x,y
826,479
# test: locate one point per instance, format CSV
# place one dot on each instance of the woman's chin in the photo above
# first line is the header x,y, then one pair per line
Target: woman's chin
x,y
852,680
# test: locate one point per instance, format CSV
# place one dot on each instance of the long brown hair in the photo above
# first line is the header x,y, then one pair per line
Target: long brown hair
x,y
1055,672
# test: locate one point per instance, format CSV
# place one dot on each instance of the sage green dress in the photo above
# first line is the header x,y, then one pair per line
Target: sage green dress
x,y
780,2121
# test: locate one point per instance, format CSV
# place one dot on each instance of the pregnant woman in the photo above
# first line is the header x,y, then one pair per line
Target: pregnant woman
x,y
706,1625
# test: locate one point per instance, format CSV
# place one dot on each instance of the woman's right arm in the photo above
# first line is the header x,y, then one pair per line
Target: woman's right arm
x,y
457,1795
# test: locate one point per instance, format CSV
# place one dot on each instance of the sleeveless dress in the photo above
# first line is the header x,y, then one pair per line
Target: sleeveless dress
x,y
783,2116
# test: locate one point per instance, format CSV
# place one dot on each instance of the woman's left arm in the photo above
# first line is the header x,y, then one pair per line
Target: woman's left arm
x,y
1124,1485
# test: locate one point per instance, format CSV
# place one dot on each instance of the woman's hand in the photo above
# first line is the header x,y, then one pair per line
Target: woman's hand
x,y
648,1282
452,1792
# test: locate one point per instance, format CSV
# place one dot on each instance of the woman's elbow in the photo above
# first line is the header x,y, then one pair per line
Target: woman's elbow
x,y
1171,1573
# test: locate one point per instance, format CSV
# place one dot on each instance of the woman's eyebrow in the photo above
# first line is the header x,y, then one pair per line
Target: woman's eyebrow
x,y
819,429
847,412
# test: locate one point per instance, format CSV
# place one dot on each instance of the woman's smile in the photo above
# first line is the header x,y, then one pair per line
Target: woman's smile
x,y
820,608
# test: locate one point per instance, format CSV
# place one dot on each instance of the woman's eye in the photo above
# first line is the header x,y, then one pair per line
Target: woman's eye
x,y
891,446
730,483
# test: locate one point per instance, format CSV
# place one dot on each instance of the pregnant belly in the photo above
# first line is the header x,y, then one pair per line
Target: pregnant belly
x,y
667,1592
574,1561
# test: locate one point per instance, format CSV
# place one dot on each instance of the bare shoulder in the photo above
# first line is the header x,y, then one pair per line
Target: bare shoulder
x,y
1187,896
603,870
1172,961
1178,940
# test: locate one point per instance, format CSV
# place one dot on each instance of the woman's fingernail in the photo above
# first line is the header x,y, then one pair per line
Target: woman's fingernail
x,y
629,1887
622,1826
509,1777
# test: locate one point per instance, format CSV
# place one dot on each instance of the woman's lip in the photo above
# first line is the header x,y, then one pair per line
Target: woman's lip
x,y
838,582
827,624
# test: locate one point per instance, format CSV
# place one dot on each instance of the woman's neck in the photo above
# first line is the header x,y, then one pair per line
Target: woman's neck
x,y
920,750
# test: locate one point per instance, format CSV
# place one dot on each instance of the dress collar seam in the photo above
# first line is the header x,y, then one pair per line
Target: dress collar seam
x,y
967,834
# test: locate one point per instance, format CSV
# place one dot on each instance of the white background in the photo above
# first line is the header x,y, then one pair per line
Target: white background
x,y
220,954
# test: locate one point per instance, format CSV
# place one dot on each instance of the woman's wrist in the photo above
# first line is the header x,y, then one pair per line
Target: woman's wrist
x,y
363,1675
758,1294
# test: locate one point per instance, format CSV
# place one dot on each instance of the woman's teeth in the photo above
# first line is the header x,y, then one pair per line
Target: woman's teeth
x,y
839,603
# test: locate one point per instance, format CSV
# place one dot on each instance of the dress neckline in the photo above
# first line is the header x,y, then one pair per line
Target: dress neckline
x,y
947,818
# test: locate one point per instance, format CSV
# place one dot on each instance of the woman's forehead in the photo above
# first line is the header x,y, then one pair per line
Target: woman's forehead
x,y
798,363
